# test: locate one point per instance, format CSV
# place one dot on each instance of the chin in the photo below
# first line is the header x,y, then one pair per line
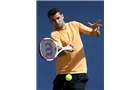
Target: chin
x,y
59,26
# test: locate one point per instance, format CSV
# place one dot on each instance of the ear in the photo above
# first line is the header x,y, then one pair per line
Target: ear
x,y
62,15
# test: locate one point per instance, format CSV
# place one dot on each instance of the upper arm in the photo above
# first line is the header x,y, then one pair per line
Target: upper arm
x,y
83,29
55,36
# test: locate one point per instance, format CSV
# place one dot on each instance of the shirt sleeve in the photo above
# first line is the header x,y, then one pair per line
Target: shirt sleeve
x,y
83,29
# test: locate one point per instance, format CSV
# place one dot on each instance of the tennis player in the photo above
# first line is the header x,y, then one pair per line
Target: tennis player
x,y
70,62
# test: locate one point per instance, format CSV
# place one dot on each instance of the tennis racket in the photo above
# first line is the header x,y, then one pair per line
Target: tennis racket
x,y
49,49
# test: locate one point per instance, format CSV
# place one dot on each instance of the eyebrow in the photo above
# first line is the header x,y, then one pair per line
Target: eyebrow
x,y
56,18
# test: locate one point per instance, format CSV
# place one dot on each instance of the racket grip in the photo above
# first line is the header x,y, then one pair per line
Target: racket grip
x,y
68,48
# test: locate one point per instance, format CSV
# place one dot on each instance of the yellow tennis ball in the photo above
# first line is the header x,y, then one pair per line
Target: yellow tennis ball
x,y
68,77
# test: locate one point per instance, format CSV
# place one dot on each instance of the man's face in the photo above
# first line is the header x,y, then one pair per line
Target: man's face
x,y
57,20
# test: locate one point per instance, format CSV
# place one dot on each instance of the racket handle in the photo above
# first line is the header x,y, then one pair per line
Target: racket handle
x,y
68,48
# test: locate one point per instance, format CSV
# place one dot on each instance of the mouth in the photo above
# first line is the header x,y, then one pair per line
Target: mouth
x,y
58,25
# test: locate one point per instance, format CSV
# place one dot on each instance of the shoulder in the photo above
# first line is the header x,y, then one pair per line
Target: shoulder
x,y
54,34
74,23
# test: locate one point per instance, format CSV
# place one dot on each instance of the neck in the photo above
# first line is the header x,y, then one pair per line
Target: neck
x,y
64,26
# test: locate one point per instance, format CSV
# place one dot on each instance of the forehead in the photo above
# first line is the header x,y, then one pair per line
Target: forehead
x,y
55,16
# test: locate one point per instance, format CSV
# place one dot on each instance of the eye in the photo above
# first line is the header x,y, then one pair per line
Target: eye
x,y
58,18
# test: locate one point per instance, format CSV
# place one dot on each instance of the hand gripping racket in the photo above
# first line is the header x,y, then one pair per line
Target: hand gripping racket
x,y
49,49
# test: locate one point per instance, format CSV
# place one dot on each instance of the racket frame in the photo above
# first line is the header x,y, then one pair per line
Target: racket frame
x,y
56,49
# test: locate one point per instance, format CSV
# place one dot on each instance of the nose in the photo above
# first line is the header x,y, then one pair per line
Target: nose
x,y
57,20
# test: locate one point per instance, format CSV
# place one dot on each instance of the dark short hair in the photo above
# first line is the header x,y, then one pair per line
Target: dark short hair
x,y
53,11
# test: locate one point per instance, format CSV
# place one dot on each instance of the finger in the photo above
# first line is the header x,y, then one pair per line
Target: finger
x,y
94,23
73,47
98,27
98,21
99,24
90,24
